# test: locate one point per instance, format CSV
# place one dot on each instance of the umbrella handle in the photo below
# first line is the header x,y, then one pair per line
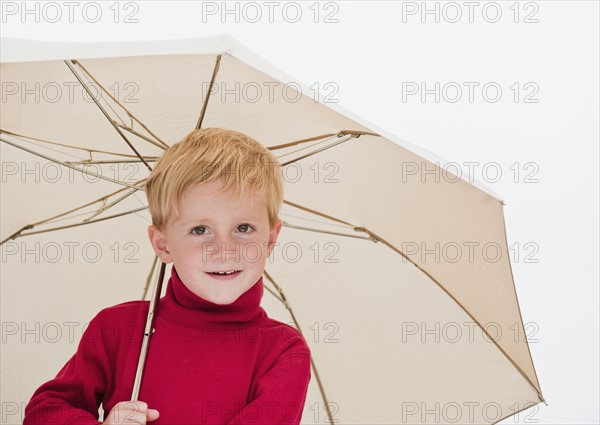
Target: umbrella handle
x,y
148,330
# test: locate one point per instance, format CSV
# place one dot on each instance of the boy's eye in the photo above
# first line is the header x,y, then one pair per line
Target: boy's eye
x,y
201,230
198,227
244,226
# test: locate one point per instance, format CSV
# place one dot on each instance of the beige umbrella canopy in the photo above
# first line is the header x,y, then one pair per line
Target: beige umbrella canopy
x,y
395,270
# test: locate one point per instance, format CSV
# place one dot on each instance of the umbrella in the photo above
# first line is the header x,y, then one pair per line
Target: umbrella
x,y
394,268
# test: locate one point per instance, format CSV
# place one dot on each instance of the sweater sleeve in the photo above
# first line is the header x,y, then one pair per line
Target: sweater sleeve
x,y
281,392
74,395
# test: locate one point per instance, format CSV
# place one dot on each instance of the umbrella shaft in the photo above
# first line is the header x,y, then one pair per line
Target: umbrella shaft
x,y
148,330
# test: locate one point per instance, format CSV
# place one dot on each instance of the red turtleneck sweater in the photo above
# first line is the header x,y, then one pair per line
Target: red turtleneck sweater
x,y
206,364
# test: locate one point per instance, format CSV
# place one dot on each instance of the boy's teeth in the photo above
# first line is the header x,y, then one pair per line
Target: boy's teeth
x,y
229,272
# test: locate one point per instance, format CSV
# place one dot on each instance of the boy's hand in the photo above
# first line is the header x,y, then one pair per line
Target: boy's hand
x,y
131,412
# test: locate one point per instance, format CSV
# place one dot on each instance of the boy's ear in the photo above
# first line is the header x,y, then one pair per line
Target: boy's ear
x,y
273,236
159,243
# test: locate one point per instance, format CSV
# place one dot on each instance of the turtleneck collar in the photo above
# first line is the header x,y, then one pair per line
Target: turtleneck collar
x,y
181,306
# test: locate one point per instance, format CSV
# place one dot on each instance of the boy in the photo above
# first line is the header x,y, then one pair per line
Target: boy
x,y
215,357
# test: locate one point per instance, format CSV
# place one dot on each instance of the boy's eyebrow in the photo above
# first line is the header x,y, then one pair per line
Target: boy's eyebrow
x,y
208,220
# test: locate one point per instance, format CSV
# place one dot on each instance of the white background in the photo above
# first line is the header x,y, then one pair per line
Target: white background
x,y
372,55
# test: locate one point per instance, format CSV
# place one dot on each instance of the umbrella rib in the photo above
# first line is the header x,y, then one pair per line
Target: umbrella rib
x,y
80,224
297,142
142,136
325,140
32,225
164,145
312,229
379,239
209,92
313,365
459,304
66,164
86,88
115,161
273,293
343,135
107,104
323,136
342,140
88,150
525,407
287,214
17,233
520,315
113,203
329,217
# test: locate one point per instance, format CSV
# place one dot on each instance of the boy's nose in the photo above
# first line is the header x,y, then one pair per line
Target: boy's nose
x,y
226,248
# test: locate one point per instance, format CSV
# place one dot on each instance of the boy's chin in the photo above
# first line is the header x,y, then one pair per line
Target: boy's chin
x,y
219,302
226,297
223,300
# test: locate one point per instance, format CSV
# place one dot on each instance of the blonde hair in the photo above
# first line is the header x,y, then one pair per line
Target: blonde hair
x,y
205,155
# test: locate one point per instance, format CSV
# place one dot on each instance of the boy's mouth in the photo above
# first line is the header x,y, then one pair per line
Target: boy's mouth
x,y
224,275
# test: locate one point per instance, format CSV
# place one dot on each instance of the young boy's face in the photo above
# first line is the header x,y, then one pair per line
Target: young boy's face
x,y
217,233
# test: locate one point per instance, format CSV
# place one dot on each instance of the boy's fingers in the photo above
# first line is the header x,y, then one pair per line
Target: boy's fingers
x,y
152,415
133,405
136,412
138,405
